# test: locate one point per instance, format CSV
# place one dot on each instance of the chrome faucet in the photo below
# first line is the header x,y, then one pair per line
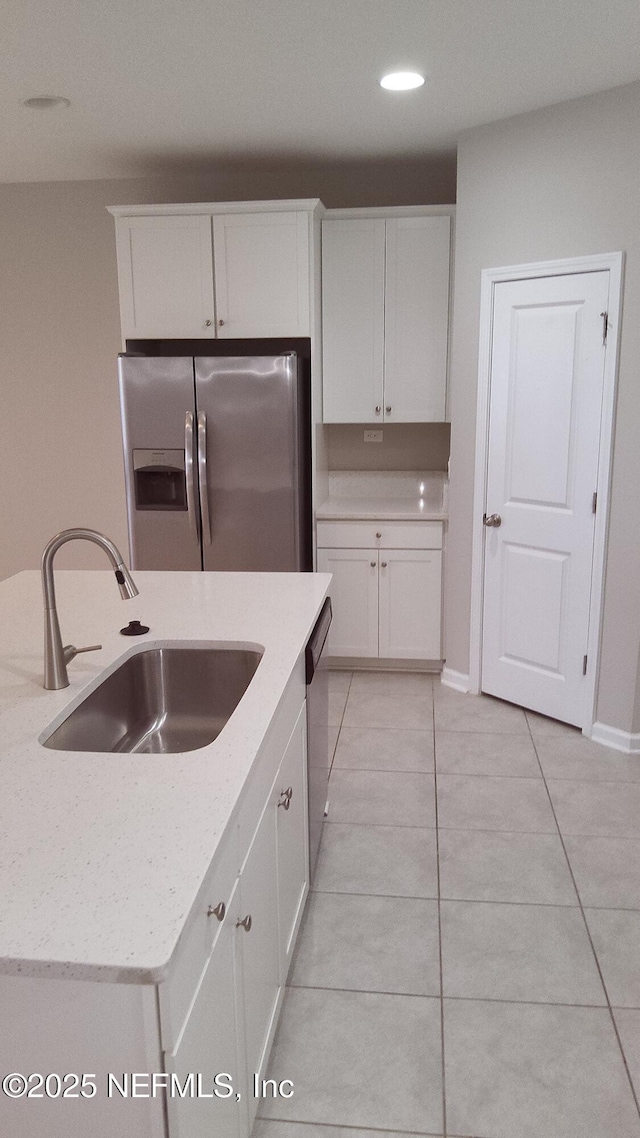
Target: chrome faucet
x,y
56,657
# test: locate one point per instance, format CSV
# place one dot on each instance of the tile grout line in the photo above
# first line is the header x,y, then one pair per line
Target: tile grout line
x,y
462,999
435,792
335,749
477,900
586,924
358,1129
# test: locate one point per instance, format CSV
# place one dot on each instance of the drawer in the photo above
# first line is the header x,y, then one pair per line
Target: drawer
x,y
197,941
379,535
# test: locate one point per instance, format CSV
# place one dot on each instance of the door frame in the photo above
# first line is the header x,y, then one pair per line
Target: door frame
x,y
614,263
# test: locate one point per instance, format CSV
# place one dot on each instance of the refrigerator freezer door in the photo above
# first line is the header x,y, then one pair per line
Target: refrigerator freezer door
x,y
158,411
252,459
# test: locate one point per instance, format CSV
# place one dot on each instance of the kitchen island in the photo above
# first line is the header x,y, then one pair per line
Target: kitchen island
x,y
113,865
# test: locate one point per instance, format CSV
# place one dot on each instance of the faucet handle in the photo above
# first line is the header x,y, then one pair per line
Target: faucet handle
x,y
70,651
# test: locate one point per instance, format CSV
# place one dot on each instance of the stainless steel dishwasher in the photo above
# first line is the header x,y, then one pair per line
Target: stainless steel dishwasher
x,y
317,678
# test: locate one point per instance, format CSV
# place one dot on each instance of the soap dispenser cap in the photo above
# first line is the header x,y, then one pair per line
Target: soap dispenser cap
x,y
134,628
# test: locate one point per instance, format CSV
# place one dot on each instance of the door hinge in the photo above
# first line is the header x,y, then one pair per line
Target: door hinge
x,y
594,502
605,326
584,665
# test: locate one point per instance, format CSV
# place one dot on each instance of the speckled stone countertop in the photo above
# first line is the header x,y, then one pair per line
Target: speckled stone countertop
x,y
102,856
388,495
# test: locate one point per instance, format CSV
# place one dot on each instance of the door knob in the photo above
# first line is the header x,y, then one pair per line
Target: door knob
x,y
492,520
388,410
221,323
245,923
208,323
378,410
218,912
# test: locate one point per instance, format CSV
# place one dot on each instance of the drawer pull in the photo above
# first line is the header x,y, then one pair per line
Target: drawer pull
x,y
372,564
218,912
378,410
388,410
245,923
384,564
378,535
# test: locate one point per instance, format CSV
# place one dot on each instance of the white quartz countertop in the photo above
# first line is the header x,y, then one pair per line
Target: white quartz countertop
x,y
385,495
102,855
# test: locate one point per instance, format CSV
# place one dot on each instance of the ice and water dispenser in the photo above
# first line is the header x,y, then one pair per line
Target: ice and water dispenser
x,y
159,480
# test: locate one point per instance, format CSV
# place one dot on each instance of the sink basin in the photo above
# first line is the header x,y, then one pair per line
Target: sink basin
x,y
160,701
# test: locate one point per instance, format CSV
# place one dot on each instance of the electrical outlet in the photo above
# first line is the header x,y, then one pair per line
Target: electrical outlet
x,y
373,436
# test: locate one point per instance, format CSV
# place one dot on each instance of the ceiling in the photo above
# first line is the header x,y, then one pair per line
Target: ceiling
x,y
154,83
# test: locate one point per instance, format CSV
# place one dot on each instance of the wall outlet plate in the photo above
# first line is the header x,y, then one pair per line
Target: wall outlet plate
x,y
373,436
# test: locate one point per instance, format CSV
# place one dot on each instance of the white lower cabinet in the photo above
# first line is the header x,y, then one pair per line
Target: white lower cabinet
x,y
215,1011
354,600
409,604
292,842
210,1045
386,600
257,951
232,1020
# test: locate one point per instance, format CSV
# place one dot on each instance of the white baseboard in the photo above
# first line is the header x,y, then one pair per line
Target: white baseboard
x,y
613,737
456,680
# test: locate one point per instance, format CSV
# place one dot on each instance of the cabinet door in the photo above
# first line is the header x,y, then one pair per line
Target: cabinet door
x,y
257,948
262,274
416,318
209,1044
353,320
410,604
290,793
354,597
165,273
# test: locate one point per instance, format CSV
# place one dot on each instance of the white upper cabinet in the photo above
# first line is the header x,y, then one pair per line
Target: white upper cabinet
x,y
228,270
353,319
416,318
165,273
385,292
262,274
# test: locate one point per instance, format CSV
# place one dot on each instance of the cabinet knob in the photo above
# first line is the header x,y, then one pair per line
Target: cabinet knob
x,y
378,535
378,410
384,564
208,323
218,912
372,564
388,410
245,923
221,323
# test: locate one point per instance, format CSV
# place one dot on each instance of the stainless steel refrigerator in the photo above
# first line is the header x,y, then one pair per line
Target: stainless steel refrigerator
x,y
216,452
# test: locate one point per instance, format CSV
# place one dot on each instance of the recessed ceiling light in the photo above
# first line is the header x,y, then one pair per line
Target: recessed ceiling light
x,y
401,80
46,102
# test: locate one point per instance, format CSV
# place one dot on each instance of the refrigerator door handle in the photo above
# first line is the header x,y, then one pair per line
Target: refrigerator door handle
x,y
202,475
189,478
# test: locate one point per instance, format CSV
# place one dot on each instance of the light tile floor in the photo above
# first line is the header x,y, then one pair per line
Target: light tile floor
x,y
469,965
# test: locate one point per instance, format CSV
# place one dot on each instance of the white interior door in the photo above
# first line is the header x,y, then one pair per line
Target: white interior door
x,y
547,372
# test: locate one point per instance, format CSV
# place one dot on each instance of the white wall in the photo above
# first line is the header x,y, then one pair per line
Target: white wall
x,y
560,182
404,446
60,456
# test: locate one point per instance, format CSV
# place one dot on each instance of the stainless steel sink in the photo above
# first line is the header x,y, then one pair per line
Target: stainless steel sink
x,y
160,701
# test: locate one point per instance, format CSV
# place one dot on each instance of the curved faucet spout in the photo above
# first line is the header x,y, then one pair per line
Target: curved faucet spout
x,y
56,657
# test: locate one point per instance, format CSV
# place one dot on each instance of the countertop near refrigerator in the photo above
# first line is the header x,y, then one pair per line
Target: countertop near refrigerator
x,y
385,495
102,855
